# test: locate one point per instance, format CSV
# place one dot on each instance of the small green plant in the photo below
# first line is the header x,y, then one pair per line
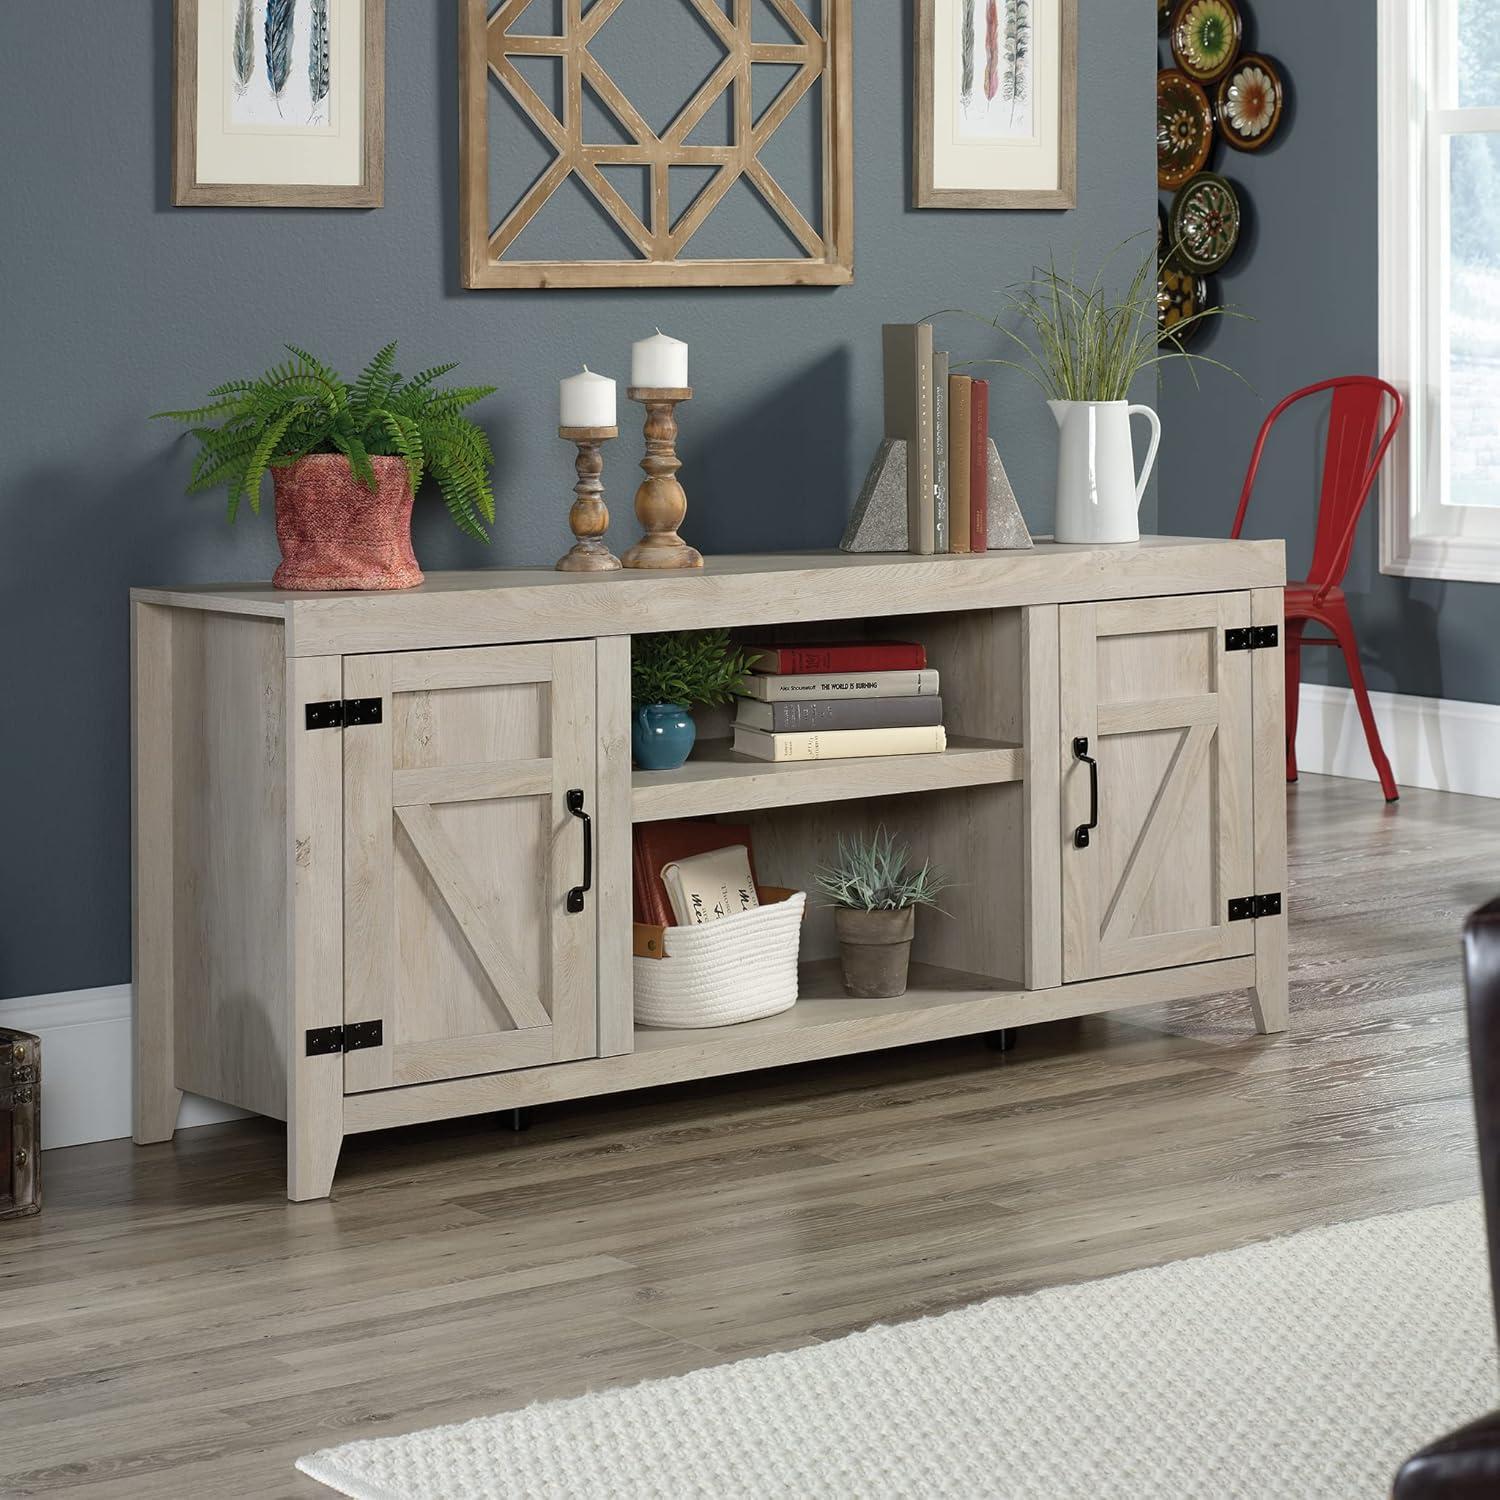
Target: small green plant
x,y
876,874
686,668
1087,345
302,407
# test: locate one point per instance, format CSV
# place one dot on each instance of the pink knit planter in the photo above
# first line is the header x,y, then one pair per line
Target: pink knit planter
x,y
336,534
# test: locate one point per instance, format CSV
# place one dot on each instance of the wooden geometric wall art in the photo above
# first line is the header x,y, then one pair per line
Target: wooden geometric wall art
x,y
819,50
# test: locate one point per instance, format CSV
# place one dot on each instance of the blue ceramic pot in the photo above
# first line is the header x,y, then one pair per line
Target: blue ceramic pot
x,y
662,736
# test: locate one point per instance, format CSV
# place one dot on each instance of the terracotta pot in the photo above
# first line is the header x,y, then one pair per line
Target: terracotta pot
x,y
336,534
875,950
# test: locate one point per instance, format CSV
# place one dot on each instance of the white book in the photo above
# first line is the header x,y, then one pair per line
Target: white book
x,y
840,744
913,684
706,887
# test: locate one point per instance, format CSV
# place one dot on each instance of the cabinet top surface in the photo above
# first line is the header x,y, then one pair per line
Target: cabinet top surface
x,y
534,603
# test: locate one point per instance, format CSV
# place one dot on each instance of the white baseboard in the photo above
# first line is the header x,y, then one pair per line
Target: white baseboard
x,y
1437,743
86,1074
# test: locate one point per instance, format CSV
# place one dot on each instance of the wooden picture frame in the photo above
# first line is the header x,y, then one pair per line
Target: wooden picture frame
x,y
349,148
959,165
822,53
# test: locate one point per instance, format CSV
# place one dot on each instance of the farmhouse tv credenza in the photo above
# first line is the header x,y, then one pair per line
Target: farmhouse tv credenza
x,y
362,821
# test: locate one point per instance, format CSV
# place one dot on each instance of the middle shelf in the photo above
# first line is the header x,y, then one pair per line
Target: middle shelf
x,y
716,780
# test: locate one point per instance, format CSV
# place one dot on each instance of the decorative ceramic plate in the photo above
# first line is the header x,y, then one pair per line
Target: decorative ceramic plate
x,y
1251,98
1164,15
1206,36
1179,294
1205,223
1184,128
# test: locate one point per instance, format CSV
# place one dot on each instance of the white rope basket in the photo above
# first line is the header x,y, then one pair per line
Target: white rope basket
x,y
736,969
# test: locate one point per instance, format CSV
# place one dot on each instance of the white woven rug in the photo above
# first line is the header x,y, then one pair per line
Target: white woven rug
x,y
1304,1367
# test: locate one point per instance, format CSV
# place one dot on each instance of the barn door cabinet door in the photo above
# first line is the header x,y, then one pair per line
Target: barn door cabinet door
x,y
1165,711
466,836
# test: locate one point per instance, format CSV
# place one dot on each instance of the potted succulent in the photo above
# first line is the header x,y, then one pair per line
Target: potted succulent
x,y
875,893
671,674
346,462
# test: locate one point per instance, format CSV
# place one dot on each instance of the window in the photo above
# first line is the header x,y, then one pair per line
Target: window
x,y
1440,284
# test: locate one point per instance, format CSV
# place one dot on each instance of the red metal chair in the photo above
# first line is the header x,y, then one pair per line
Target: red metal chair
x,y
1357,446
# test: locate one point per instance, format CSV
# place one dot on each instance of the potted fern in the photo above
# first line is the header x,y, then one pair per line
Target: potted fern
x,y
671,674
346,462
875,892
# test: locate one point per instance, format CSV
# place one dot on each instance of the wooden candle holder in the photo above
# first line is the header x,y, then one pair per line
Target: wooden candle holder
x,y
661,503
589,517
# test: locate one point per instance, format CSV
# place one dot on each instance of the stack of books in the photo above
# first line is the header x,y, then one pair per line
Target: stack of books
x,y
836,701
945,421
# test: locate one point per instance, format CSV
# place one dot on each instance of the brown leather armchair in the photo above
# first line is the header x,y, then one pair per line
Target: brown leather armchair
x,y
1465,1465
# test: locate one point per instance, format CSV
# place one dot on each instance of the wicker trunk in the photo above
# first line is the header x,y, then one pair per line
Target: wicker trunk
x,y
20,1124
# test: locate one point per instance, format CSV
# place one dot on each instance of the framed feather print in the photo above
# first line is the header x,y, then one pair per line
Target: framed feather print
x,y
996,104
279,103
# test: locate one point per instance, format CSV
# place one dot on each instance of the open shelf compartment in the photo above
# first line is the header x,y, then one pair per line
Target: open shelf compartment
x,y
978,655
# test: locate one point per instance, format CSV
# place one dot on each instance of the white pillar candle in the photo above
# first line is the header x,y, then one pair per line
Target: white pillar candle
x,y
659,363
588,400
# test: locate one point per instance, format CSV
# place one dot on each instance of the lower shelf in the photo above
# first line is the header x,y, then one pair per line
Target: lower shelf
x,y
824,1023
822,1003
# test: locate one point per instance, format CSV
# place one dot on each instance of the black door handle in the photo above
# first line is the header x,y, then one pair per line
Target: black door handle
x,y
576,895
1081,753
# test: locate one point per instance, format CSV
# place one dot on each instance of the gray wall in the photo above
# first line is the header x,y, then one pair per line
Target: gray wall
x,y
117,304
1308,274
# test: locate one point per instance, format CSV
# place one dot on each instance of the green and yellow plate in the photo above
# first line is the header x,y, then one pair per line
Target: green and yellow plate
x,y
1206,37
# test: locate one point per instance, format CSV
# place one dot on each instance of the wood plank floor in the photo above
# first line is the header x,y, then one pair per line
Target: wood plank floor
x,y
171,1327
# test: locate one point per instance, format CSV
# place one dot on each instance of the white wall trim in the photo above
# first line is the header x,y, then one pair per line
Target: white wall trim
x,y
86,1074
1419,536
1397,113
1432,742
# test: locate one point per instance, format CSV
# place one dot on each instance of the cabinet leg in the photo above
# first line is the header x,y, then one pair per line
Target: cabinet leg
x,y
156,1105
312,1157
516,1119
1269,999
1002,1041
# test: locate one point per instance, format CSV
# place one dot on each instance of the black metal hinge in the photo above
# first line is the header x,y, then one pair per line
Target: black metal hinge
x,y
1248,908
1253,638
341,713
354,1037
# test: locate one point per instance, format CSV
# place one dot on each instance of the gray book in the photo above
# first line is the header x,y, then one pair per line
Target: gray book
x,y
940,451
861,713
908,415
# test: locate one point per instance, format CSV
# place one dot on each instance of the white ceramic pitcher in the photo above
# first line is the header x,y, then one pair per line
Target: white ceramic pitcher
x,y
1098,493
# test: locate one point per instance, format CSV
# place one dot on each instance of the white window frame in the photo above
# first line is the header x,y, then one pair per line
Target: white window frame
x,y
1419,536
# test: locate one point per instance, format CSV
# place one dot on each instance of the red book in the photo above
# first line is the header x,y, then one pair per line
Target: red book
x,y
659,844
843,656
979,468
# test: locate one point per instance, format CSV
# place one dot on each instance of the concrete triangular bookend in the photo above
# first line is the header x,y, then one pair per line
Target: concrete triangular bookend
x,y
1007,531
879,520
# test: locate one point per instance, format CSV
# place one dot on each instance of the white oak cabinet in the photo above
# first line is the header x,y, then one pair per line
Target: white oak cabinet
x,y
382,841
